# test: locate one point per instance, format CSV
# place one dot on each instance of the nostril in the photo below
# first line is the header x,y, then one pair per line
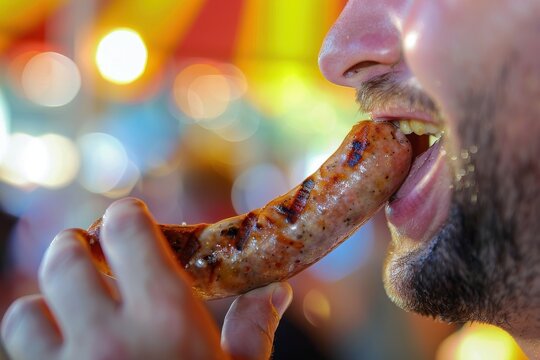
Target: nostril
x,y
356,68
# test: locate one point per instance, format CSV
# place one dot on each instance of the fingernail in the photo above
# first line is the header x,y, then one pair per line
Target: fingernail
x,y
63,240
116,214
282,297
124,205
66,236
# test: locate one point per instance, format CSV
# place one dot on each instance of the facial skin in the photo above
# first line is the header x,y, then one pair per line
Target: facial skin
x,y
473,67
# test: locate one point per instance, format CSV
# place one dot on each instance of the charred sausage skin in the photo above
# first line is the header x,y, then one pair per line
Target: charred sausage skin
x,y
296,229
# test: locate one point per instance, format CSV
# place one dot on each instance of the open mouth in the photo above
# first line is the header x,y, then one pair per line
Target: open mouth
x,y
422,135
420,206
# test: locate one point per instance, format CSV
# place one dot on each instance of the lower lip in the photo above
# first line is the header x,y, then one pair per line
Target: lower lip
x,y
420,207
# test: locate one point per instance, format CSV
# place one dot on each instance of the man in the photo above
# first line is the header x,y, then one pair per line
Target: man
x,y
464,223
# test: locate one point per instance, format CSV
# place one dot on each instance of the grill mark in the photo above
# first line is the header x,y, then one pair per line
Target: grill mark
x,y
299,202
246,227
300,199
231,232
184,241
358,146
213,263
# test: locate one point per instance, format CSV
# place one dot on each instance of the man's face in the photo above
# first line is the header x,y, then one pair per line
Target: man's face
x,y
465,222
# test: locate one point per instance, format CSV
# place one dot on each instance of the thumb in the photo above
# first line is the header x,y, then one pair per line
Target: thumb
x,y
250,324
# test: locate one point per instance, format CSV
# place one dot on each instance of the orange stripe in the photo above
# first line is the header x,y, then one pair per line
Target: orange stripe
x,y
162,23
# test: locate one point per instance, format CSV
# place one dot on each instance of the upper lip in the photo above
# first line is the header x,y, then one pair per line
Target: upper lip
x,y
396,114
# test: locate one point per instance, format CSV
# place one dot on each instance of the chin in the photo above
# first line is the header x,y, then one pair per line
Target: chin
x,y
464,272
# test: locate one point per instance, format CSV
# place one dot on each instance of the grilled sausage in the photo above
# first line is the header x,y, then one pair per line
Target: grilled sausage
x,y
294,230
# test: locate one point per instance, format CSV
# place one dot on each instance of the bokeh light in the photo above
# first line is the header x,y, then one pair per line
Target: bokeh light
x,y
205,91
256,186
25,158
50,161
61,159
126,183
121,56
316,306
50,79
480,342
104,161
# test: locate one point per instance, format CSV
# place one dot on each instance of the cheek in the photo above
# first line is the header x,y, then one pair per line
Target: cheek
x,y
429,52
452,46
452,50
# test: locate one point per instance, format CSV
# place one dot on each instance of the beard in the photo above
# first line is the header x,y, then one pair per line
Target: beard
x,y
484,263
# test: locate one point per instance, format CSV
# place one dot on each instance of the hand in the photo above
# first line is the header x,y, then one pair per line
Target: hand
x,y
149,314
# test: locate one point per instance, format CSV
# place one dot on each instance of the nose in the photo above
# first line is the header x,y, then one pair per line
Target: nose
x,y
364,42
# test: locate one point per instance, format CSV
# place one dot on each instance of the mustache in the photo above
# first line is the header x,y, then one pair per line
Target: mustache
x,y
385,91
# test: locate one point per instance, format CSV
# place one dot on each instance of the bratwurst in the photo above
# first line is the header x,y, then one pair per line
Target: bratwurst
x,y
296,229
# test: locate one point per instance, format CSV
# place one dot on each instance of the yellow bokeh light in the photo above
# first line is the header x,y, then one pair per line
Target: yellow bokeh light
x,y
480,342
121,56
317,308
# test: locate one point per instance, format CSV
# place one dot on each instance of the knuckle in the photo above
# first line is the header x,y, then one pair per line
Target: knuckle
x,y
256,330
101,344
255,317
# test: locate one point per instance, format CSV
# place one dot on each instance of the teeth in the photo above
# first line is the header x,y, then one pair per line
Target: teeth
x,y
433,138
405,127
419,128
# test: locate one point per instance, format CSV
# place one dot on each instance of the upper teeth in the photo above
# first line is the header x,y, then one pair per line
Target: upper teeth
x,y
419,127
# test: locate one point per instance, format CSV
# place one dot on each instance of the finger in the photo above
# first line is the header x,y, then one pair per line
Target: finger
x,y
29,331
250,324
74,289
137,252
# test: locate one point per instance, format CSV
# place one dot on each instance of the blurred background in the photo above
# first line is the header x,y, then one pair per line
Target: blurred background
x,y
204,109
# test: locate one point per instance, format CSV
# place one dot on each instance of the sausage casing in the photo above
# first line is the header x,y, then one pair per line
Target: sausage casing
x,y
296,229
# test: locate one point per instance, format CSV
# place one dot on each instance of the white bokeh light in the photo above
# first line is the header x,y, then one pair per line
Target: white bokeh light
x,y
121,56
103,162
62,159
256,186
49,161
126,183
51,79
21,161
